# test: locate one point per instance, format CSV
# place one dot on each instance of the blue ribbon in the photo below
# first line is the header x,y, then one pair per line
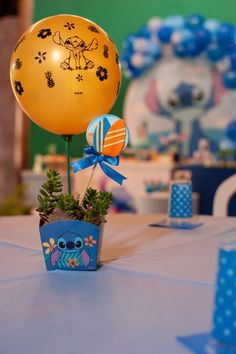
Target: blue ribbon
x,y
95,157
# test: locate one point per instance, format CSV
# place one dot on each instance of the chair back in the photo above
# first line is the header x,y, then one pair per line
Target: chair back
x,y
223,195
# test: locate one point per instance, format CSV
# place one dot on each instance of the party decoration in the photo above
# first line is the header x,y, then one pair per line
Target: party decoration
x,y
169,101
190,37
65,70
175,92
110,135
224,325
230,131
107,136
70,245
71,226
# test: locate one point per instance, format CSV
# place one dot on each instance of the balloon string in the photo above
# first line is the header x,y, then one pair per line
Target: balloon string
x,y
90,179
68,139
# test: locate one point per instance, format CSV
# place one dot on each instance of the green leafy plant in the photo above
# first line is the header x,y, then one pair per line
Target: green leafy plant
x,y
54,205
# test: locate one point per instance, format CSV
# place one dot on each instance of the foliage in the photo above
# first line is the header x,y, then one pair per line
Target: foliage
x,y
54,205
95,205
49,195
15,203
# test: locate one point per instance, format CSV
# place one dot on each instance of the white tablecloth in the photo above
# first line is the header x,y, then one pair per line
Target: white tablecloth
x,y
155,284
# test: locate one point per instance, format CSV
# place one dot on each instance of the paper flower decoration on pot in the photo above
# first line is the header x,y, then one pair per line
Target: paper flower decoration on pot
x,y
107,136
65,70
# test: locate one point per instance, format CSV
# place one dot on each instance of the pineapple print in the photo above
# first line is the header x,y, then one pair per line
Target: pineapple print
x,y
50,81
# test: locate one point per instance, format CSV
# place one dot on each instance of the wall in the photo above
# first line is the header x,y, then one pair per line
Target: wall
x,y
8,175
120,18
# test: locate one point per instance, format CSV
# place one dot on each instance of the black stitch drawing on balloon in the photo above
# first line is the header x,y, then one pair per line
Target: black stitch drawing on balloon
x,y
77,48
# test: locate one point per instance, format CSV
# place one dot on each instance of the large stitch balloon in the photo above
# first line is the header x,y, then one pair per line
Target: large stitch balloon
x,y
65,70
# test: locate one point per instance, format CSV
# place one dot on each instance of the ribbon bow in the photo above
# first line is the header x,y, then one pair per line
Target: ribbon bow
x,y
95,157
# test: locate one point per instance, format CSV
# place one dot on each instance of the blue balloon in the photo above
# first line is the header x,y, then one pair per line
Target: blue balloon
x,y
144,32
195,22
214,52
181,35
180,50
232,58
134,72
230,130
212,25
155,50
148,61
175,22
225,35
202,38
128,42
191,48
229,79
164,34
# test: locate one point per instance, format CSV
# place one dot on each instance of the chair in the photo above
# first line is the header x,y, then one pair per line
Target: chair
x,y
223,195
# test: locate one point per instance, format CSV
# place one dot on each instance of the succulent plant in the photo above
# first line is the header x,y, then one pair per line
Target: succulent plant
x,y
54,205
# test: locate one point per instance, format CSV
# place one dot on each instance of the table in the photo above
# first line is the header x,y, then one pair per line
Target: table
x,y
155,284
205,181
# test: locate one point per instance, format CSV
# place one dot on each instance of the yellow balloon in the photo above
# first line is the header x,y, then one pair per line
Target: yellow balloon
x,y
65,71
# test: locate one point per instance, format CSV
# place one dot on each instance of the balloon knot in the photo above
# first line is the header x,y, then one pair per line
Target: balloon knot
x,y
100,158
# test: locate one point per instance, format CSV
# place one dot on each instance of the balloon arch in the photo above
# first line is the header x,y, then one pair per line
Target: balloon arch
x,y
188,38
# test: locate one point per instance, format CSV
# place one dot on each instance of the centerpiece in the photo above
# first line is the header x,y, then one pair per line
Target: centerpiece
x,y
65,71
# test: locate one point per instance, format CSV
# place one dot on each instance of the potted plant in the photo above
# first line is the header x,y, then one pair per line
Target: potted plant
x,y
71,227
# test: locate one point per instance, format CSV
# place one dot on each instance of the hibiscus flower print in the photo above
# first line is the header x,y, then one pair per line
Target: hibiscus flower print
x,y
44,33
40,57
72,263
102,73
18,87
69,26
49,246
89,241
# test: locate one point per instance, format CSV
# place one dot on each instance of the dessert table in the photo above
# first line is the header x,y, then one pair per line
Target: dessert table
x,y
155,284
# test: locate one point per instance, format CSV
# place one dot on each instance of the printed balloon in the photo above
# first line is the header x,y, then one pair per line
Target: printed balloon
x,y
65,71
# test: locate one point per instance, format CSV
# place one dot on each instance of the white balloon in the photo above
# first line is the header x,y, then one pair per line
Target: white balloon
x,y
154,23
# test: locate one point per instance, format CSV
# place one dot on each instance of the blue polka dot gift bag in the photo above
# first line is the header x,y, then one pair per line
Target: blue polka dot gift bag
x,y
224,319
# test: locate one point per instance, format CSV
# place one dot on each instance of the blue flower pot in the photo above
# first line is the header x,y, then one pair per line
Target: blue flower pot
x,y
71,245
